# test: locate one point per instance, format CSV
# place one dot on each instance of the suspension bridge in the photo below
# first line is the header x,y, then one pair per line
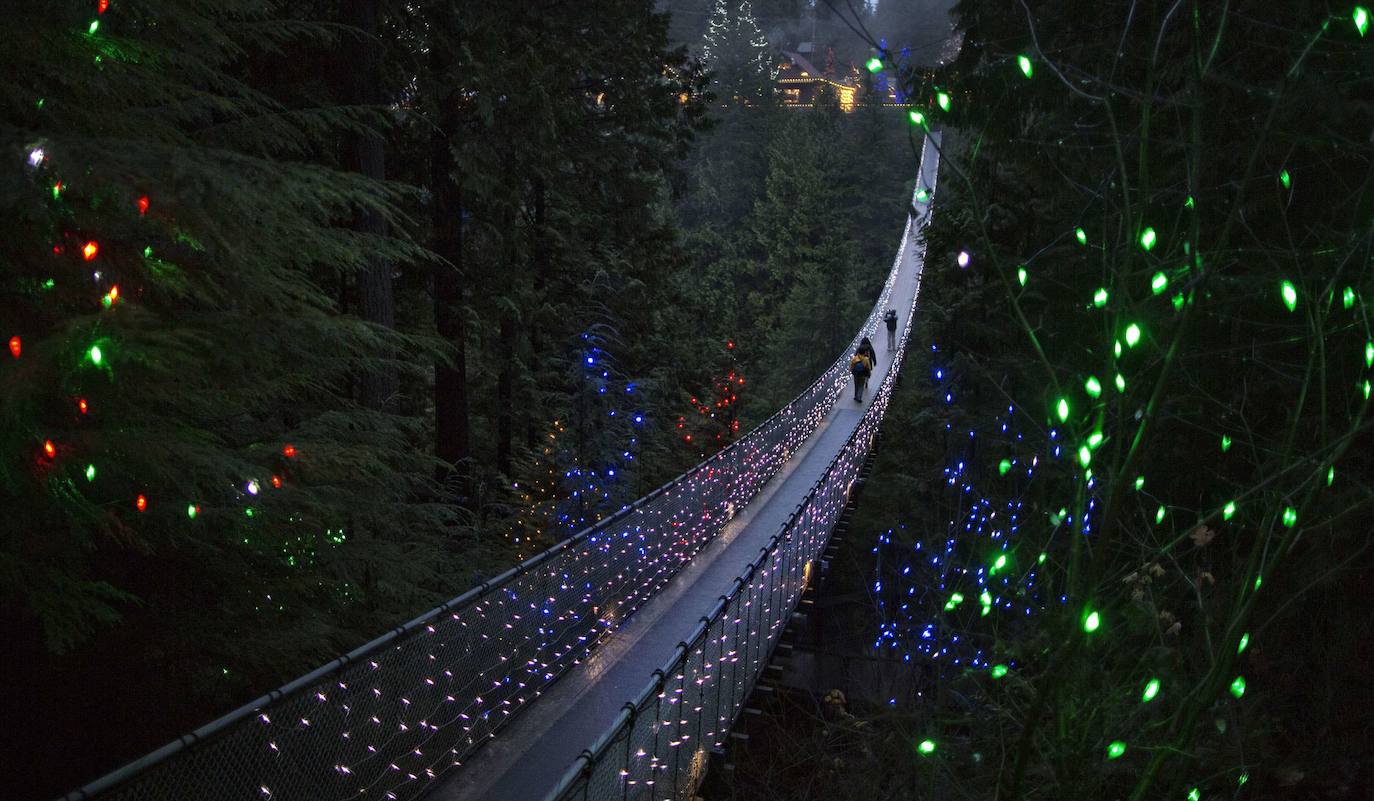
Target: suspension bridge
x,y
608,667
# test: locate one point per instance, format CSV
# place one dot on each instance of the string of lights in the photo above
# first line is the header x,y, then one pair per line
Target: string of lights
x,y
659,744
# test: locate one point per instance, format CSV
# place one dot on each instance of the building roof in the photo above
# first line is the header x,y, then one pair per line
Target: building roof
x,y
809,70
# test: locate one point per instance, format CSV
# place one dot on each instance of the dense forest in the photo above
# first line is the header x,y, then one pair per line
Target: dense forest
x,y
321,313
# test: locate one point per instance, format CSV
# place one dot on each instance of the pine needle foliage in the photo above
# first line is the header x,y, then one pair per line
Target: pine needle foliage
x,y
210,440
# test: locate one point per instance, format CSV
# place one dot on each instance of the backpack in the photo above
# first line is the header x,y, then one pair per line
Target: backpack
x,y
859,365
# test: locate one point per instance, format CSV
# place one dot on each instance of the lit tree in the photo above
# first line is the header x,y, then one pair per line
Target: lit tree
x,y
737,53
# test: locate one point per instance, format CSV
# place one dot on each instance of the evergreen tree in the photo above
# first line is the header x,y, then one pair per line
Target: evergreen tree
x,y
737,53
197,506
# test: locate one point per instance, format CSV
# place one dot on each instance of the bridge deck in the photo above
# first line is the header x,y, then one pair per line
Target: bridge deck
x,y
530,757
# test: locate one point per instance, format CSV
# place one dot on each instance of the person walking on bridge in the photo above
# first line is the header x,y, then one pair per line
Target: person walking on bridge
x,y
861,367
890,319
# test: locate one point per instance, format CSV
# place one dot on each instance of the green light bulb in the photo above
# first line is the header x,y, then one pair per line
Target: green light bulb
x,y
1369,354
875,64
90,472
1159,514
1095,440
1178,302
94,26
1139,482
1041,558
1021,275
1120,383
1258,581
926,747
1116,348
1290,517
1062,409
1091,622
1081,235
1225,443
1003,467
985,598
1188,204
1229,511
1366,389
1147,239
1244,641
1194,795
1285,179
1290,295
1100,298
1132,335
95,354
192,511
1000,563
1151,690
1027,68
1116,749
1330,476
998,671
916,117
1085,455
1360,15
1092,386
1159,283
942,98
1238,686
1348,297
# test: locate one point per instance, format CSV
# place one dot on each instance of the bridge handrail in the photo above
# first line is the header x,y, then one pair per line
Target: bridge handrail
x,y
645,745
245,754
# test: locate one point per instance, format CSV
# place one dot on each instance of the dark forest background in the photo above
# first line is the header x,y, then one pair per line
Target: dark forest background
x,y
384,297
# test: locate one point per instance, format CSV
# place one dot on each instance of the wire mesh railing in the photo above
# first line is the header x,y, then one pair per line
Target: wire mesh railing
x,y
388,718
659,744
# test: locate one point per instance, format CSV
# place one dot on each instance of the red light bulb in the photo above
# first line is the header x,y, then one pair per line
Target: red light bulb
x,y
143,205
289,451
91,248
102,6
141,504
81,404
276,482
114,293
15,346
49,448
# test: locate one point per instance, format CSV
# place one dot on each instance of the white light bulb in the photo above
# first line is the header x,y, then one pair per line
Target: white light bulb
x,y
963,258
35,157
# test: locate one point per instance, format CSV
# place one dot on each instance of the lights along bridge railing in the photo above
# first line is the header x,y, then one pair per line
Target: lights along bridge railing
x,y
658,746
388,718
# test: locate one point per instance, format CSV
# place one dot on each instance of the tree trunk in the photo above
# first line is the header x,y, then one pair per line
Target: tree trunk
x,y
505,384
365,154
451,425
540,248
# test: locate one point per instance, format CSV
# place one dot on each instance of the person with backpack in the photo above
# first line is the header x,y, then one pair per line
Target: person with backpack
x,y
861,367
890,318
